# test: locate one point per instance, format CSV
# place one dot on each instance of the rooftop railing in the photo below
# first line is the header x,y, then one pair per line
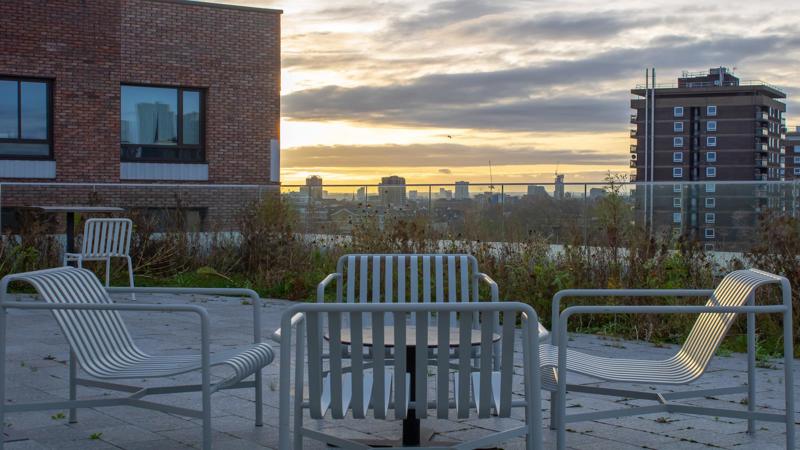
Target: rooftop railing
x,y
561,213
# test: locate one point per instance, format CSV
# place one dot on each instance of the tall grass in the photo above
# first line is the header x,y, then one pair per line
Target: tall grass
x,y
271,256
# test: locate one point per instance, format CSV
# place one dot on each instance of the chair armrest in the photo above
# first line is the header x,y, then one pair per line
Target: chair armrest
x,y
296,319
324,283
587,293
495,292
205,328
229,292
677,309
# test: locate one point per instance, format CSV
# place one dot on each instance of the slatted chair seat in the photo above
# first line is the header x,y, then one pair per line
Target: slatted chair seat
x,y
240,362
733,296
675,370
102,346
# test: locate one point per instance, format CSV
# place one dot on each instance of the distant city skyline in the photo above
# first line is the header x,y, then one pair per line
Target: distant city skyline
x,y
434,90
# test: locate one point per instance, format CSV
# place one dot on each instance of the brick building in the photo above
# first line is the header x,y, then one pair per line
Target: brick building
x,y
710,127
130,91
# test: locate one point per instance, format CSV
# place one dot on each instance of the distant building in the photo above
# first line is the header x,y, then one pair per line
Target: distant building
x,y
393,191
462,190
558,190
595,193
413,195
710,127
445,194
536,191
361,194
314,187
792,145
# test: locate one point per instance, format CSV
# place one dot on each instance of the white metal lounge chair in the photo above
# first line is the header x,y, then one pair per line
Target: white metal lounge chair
x,y
104,239
734,295
101,344
350,385
409,278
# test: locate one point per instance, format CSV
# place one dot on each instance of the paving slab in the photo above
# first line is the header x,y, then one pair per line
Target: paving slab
x,y
37,371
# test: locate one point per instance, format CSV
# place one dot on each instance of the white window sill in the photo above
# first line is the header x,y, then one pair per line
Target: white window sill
x,y
163,171
24,168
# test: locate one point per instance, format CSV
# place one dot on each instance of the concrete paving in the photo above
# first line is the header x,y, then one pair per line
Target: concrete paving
x,y
37,371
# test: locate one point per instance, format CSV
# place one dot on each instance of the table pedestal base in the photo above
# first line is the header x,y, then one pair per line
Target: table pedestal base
x,y
425,438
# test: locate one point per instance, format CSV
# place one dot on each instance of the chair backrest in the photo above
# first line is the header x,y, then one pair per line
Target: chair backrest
x,y
96,337
735,289
106,237
407,278
380,383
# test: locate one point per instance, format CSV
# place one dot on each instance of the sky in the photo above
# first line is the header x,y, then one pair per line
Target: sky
x,y
435,90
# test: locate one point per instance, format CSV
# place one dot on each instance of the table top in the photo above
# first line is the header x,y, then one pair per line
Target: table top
x,y
79,208
411,337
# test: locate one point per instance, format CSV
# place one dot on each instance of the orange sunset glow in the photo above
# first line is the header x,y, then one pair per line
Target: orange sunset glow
x,y
435,90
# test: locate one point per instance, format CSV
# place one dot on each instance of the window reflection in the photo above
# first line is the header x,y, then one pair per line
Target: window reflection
x,y
149,115
161,124
9,127
34,110
191,117
24,118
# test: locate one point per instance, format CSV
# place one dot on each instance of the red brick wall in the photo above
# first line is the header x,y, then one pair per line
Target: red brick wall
x,y
89,47
76,44
234,54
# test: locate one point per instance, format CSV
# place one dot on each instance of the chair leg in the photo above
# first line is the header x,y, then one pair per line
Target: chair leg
x,y
73,386
259,398
2,373
108,272
751,371
553,410
130,276
206,411
788,373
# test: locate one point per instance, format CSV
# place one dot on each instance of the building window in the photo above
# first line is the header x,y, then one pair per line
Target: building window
x,y
25,118
677,111
797,170
711,172
676,202
677,172
161,124
676,217
711,202
711,125
677,188
677,127
711,141
797,159
711,156
711,217
711,187
677,141
709,233
677,157
711,110
708,247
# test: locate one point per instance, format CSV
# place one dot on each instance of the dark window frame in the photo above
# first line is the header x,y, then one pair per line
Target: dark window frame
x,y
179,146
48,82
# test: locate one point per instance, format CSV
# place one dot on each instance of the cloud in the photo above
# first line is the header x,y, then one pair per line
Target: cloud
x,y
445,171
551,27
437,155
558,96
